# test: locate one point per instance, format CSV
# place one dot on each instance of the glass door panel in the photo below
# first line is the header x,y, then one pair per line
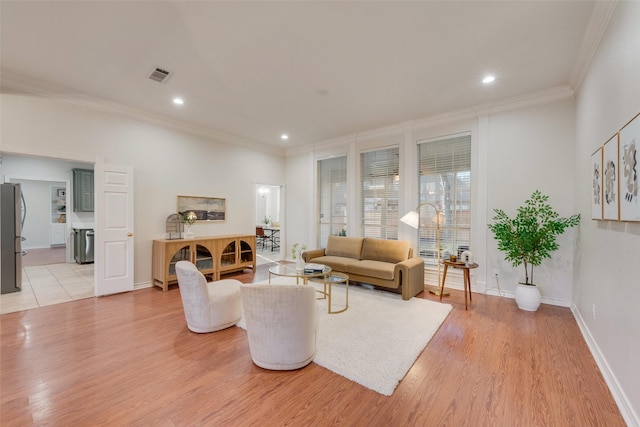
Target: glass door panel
x,y
204,258
182,254
228,255
246,253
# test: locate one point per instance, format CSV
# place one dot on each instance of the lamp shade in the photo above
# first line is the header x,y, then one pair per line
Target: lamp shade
x,y
412,219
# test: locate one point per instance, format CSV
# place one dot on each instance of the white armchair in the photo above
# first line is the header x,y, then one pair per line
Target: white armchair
x,y
281,321
211,306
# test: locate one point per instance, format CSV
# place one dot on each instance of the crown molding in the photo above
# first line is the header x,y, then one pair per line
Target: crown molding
x,y
597,26
532,99
21,83
546,96
24,84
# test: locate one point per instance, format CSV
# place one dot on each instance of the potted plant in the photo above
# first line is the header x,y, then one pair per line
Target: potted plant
x,y
528,239
188,218
296,253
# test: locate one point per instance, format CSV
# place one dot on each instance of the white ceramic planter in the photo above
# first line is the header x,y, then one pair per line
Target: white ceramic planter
x,y
527,297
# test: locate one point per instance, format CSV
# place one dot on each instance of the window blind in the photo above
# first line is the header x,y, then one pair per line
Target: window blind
x,y
444,167
332,198
380,184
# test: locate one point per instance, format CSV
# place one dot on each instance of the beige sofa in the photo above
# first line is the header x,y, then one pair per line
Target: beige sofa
x,y
385,263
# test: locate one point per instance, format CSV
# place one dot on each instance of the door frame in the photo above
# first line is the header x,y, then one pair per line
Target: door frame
x,y
102,234
283,218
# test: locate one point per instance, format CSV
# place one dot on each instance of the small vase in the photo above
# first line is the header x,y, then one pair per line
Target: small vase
x,y
299,264
188,234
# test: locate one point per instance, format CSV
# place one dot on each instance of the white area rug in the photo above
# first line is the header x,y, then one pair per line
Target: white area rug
x,y
377,340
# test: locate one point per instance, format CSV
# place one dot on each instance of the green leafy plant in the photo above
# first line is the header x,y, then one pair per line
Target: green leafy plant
x,y
297,249
530,237
266,220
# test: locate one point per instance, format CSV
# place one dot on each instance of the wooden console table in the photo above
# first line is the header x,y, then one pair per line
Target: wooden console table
x,y
212,255
467,278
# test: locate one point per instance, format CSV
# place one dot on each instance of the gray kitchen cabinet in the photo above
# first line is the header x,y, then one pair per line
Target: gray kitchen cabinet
x,y
82,190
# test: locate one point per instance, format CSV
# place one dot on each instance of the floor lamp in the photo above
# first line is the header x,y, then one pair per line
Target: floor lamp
x,y
413,219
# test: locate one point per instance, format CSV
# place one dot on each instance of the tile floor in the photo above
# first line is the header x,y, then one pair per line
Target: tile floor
x,y
49,284
57,283
265,256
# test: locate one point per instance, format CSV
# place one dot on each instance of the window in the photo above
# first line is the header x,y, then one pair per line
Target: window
x,y
332,198
444,167
380,190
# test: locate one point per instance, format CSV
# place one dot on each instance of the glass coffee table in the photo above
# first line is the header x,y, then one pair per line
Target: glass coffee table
x,y
326,277
289,270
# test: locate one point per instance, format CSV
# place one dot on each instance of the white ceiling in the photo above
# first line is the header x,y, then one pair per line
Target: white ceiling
x,y
316,70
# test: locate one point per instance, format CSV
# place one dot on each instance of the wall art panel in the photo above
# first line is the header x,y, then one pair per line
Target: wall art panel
x,y
610,178
628,174
596,184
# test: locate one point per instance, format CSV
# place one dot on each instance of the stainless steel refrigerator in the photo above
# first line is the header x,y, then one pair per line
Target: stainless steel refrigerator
x,y
12,218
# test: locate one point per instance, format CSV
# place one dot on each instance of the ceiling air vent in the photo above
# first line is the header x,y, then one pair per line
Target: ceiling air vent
x,y
159,75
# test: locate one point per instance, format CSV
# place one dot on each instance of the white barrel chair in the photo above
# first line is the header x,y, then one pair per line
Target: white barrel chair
x,y
211,306
282,322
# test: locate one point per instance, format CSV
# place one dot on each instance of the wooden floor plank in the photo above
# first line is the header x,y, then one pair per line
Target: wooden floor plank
x,y
129,359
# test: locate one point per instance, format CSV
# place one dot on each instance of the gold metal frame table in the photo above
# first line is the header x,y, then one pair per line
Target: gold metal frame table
x,y
329,280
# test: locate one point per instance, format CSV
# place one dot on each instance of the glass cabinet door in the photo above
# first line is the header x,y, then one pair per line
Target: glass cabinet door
x,y
246,252
228,255
204,258
182,254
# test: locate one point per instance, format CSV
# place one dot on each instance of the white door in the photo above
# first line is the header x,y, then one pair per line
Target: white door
x,y
114,229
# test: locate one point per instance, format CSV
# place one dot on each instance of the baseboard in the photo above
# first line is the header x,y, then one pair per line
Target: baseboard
x,y
555,301
624,405
143,285
544,300
499,293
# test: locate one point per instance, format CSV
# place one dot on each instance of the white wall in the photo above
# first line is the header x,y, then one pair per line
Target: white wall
x,y
166,163
533,149
300,221
513,153
607,269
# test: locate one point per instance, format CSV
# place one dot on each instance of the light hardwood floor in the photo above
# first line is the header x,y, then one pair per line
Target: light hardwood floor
x,y
129,359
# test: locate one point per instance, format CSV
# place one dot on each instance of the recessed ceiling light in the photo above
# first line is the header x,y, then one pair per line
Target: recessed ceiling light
x,y
488,79
284,136
178,101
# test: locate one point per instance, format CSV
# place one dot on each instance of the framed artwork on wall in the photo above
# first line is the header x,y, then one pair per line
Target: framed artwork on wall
x,y
610,179
205,208
596,184
628,174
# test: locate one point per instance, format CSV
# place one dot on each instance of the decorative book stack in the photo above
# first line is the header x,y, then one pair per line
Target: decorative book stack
x,y
314,268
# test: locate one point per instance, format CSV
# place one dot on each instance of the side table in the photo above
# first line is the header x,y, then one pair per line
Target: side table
x,y
467,280
329,280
